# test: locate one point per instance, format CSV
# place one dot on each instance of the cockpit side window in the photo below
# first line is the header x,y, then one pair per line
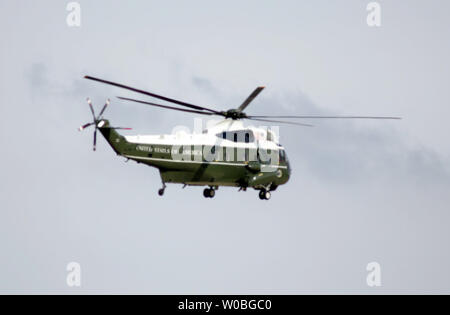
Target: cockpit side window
x,y
282,156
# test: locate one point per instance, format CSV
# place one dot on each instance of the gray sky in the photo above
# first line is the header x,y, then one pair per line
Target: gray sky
x,y
360,191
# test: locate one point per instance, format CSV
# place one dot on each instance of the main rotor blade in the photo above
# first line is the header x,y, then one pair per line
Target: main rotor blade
x,y
281,122
166,106
250,98
171,100
328,117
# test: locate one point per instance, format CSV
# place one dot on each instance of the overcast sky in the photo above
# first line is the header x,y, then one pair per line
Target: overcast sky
x,y
360,191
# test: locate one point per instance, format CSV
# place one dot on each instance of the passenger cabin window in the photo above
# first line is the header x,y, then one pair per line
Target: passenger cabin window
x,y
238,136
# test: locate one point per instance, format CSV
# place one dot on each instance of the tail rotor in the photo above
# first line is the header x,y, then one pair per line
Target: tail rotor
x,y
98,121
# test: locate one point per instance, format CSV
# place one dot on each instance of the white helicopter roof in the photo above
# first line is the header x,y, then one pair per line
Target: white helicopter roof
x,y
224,125
235,125
264,136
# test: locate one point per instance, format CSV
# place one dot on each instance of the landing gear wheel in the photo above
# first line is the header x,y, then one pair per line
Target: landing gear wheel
x,y
163,188
264,195
209,193
161,191
261,195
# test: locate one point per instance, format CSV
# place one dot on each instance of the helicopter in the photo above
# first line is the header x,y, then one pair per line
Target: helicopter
x,y
225,154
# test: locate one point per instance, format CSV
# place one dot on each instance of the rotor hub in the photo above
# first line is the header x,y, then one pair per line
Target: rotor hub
x,y
234,114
